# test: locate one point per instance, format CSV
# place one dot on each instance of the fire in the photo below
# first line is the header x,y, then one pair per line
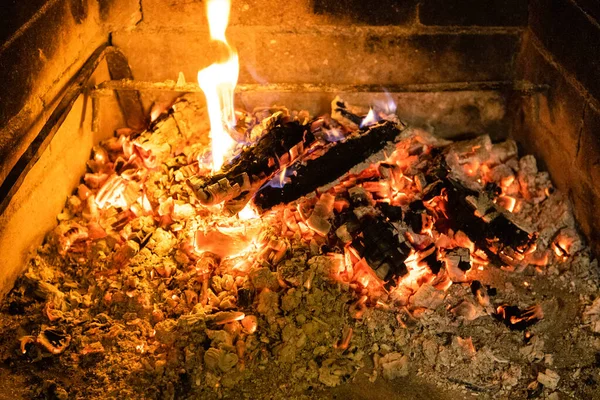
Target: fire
x,y
218,83
247,213
370,119
507,202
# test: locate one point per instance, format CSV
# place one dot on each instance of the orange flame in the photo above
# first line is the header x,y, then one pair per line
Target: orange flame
x,y
218,83
507,202
247,213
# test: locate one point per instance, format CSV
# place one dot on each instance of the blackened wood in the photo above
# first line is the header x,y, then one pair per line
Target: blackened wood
x,y
484,222
473,212
382,246
238,180
329,163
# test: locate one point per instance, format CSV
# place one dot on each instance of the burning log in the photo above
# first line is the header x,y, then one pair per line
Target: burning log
x,y
238,180
328,163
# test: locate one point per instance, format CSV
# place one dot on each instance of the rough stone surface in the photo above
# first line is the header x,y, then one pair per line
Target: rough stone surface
x,y
473,12
561,128
568,33
324,55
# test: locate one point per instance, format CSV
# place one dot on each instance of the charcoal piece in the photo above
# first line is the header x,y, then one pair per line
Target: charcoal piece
x,y
473,212
432,190
414,216
392,213
484,222
493,189
238,180
360,197
382,246
517,319
328,163
464,265
432,262
341,112
245,297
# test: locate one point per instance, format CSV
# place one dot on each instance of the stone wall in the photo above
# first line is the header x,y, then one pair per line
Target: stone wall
x,y
562,48
43,44
333,41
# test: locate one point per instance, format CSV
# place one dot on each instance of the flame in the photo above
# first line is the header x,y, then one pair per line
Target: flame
x,y
370,119
247,213
334,135
218,83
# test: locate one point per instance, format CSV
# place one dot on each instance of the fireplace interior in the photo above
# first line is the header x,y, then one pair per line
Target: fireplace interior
x,y
407,208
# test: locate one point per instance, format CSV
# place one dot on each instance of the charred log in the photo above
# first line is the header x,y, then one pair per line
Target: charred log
x,y
331,161
484,222
373,236
473,212
238,180
383,247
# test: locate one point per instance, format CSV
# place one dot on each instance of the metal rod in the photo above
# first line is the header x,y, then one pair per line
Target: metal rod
x,y
75,88
521,87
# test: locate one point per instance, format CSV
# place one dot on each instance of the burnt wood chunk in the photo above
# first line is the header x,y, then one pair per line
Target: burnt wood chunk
x,y
384,248
484,222
238,180
326,164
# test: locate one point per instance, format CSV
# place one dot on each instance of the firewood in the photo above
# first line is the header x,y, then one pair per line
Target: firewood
x,y
382,246
329,162
473,212
238,180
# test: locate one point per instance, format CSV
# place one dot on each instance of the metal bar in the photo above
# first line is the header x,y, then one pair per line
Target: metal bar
x,y
75,88
520,87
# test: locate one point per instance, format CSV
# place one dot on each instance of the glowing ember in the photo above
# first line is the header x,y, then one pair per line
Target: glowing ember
x,y
247,213
218,83
507,202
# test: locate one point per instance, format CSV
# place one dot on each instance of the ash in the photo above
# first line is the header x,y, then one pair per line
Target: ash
x,y
143,292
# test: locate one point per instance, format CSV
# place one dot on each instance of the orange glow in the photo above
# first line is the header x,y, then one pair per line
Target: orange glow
x,y
417,272
247,213
472,168
507,202
218,83
561,246
111,193
506,182
365,276
463,241
249,322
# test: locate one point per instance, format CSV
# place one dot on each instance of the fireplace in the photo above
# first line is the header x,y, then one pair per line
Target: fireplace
x,y
404,117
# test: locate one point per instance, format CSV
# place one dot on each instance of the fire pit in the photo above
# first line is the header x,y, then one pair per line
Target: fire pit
x,y
295,240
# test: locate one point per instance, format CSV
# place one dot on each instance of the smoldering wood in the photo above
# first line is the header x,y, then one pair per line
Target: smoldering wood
x,y
330,162
473,212
383,247
238,180
376,237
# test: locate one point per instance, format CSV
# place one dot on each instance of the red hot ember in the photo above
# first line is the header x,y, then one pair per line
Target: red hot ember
x,y
312,230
